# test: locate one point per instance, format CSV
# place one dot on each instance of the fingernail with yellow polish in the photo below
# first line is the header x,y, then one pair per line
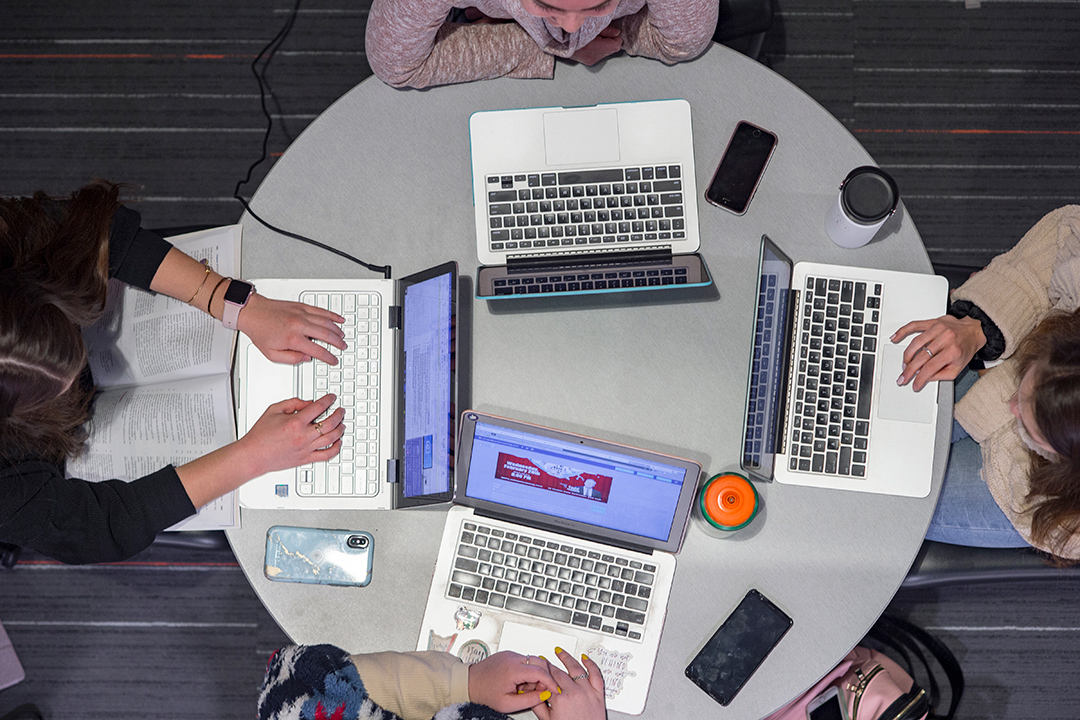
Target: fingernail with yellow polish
x,y
584,657
545,696
559,650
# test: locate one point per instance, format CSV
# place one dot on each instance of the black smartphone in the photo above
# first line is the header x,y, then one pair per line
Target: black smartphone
x,y
740,169
736,650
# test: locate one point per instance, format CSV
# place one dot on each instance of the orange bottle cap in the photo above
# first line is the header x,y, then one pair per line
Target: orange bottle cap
x,y
729,501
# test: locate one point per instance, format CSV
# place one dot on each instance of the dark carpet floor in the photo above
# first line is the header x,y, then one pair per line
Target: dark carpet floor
x,y
972,107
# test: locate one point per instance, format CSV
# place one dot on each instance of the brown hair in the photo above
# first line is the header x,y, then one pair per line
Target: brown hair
x,y
1052,352
54,263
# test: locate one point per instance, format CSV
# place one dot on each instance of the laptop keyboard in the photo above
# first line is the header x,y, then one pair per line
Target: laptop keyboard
x,y
354,472
834,377
585,281
552,580
619,206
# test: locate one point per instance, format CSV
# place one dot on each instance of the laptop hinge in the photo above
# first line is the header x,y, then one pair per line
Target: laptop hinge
x,y
392,470
393,317
589,259
552,528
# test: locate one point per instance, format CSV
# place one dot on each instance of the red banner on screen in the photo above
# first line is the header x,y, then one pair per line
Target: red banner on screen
x,y
565,480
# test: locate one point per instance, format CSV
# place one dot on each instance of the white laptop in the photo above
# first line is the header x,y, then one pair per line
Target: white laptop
x,y
613,177
559,540
396,381
823,408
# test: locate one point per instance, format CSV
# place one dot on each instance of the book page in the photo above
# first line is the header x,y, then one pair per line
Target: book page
x,y
137,431
145,337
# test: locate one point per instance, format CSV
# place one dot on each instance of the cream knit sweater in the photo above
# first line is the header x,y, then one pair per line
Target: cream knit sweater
x,y
1017,290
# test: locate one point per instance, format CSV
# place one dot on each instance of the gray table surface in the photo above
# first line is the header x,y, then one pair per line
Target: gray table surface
x,y
385,175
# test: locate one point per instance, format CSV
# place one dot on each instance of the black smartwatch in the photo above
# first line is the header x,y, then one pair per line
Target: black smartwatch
x,y
236,297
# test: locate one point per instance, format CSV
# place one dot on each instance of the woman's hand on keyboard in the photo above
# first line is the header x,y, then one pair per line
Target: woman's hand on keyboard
x,y
509,682
286,332
287,434
941,349
582,691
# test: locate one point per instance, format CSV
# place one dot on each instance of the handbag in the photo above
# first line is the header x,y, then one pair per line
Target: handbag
x,y
873,686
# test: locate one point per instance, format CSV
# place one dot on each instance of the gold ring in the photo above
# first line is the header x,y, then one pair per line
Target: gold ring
x,y
318,426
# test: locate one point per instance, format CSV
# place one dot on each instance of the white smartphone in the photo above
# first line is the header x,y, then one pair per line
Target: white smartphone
x,y
318,557
829,705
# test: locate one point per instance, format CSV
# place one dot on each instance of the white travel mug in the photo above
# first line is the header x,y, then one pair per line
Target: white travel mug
x,y
867,197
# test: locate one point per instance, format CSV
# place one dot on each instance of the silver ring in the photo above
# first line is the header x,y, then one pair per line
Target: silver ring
x,y
527,659
928,351
582,676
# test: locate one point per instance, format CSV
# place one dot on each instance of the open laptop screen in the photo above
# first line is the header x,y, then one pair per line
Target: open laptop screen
x,y
764,404
576,483
427,336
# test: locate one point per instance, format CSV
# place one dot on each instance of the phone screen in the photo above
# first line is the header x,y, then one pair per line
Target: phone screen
x,y
829,710
741,167
736,650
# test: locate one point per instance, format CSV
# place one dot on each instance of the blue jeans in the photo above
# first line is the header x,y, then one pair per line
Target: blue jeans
x,y
967,513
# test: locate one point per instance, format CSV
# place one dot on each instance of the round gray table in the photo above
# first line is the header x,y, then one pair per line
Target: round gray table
x,y
385,175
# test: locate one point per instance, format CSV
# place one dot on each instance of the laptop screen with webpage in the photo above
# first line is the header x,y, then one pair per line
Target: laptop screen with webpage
x,y
429,422
578,486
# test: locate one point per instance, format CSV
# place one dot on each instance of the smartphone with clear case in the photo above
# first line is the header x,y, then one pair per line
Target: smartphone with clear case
x,y
318,557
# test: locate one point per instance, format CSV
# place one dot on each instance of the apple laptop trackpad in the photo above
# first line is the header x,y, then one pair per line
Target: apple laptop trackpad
x,y
529,640
903,403
575,137
266,383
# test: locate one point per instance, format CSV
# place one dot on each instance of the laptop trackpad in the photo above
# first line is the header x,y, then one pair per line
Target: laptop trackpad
x,y
903,403
529,640
581,137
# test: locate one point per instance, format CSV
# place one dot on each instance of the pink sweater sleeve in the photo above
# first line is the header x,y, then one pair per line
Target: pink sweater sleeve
x,y
409,44
670,30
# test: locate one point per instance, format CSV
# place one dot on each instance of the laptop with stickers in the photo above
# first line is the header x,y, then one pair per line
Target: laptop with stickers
x,y
557,539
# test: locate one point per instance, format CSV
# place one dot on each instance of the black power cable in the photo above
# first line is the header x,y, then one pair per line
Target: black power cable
x,y
260,76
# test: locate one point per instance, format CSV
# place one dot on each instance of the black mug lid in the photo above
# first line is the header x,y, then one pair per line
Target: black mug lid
x,y
869,194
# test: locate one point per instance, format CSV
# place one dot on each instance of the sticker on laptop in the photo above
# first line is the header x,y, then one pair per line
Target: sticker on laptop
x,y
614,666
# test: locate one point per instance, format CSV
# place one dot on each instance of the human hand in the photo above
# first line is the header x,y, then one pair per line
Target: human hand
x,y
581,691
940,351
509,682
287,435
285,331
606,43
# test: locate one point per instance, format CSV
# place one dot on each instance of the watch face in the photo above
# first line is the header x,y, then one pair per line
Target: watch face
x,y
238,291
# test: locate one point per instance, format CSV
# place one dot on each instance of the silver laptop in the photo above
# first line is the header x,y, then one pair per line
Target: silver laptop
x,y
823,408
559,540
605,178
396,381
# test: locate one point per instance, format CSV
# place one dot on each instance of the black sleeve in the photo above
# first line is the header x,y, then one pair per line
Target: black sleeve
x,y
134,252
76,522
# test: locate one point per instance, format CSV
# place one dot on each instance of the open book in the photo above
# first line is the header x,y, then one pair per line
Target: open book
x,y
164,372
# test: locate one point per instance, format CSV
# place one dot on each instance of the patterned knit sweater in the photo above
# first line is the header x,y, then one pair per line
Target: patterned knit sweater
x,y
410,44
322,682
1017,290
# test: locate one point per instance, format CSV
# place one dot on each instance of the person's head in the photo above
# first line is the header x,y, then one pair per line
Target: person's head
x,y
53,275
569,15
1047,408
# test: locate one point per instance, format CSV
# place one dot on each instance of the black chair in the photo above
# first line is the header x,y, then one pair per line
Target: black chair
x,y
742,25
939,564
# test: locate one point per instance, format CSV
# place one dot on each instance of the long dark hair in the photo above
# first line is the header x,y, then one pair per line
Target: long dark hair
x,y
54,263
1052,352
